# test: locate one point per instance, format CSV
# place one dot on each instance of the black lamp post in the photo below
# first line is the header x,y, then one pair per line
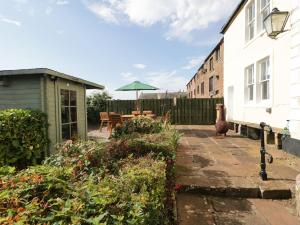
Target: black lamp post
x,y
275,22
263,152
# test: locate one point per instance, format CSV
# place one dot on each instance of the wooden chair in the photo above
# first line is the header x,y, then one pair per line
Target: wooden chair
x,y
104,120
114,120
136,113
147,112
166,118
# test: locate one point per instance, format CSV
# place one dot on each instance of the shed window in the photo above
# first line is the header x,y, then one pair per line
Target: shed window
x,y
68,114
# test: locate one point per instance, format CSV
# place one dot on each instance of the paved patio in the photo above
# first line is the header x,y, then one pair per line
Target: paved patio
x,y
211,168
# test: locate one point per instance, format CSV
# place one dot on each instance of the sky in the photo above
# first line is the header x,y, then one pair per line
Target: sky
x,y
113,42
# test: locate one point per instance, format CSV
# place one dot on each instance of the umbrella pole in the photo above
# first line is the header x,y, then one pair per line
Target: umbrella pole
x,y
137,100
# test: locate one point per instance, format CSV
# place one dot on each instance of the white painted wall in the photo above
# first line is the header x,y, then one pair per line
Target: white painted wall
x,y
295,70
284,53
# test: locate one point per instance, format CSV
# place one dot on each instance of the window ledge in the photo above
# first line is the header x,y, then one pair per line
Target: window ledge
x,y
260,34
263,104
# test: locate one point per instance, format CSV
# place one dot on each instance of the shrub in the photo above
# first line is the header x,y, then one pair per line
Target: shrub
x,y
140,124
47,194
160,145
85,157
23,137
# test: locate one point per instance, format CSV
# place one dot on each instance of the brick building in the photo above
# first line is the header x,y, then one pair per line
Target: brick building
x,y
208,81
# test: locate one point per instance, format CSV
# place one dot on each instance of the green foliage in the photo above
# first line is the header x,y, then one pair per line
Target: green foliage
x,y
159,145
47,194
96,103
127,181
140,124
7,170
23,137
85,157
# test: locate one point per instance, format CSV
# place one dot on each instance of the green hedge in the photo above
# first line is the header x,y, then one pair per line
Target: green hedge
x,y
140,125
129,180
23,137
50,195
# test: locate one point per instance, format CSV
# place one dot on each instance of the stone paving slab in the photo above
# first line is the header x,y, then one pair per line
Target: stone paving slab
x,y
210,210
232,162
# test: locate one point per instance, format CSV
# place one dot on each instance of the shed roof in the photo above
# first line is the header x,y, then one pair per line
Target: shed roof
x,y
233,16
39,71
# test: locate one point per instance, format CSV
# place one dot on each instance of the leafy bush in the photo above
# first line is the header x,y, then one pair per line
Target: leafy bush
x,y
96,103
140,124
127,181
47,194
23,137
85,157
160,145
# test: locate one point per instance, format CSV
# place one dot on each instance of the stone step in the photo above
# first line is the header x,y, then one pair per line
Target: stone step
x,y
237,192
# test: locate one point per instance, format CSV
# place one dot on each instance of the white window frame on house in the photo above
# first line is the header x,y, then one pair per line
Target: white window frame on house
x,y
250,21
264,80
264,9
260,79
250,84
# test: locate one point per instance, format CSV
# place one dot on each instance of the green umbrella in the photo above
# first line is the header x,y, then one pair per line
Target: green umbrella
x,y
137,86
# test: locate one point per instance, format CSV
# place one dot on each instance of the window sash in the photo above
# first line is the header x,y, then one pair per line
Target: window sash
x,y
250,96
250,23
264,70
264,6
264,76
69,119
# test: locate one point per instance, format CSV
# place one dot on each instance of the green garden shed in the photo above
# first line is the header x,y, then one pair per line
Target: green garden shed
x,y
62,97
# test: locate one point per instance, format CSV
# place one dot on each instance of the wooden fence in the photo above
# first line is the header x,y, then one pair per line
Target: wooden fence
x,y
183,111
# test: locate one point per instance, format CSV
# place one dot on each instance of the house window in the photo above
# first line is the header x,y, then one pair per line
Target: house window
x,y
198,89
264,78
250,21
202,88
218,54
68,114
211,64
211,84
264,11
249,81
194,92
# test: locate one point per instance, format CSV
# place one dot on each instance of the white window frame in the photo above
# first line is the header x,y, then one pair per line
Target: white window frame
x,y
261,11
265,79
250,22
250,83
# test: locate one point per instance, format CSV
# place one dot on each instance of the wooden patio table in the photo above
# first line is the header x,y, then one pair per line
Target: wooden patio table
x,y
126,117
153,116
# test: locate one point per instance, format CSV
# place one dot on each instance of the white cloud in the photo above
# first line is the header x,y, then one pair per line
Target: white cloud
x,y
182,17
128,77
140,66
103,11
10,21
62,2
193,62
167,81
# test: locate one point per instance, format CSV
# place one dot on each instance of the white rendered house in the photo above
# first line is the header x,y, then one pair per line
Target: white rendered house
x,y
262,75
